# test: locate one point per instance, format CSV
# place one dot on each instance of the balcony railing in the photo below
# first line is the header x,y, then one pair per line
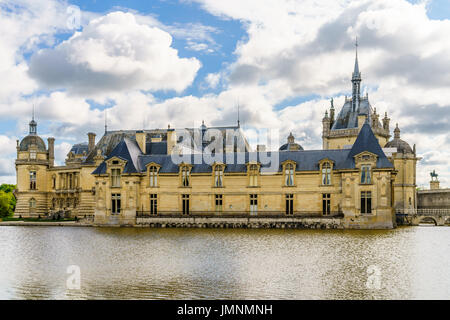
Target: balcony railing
x,y
424,212
236,214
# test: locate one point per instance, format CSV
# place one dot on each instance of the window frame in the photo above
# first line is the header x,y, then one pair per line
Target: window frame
x,y
366,202
115,179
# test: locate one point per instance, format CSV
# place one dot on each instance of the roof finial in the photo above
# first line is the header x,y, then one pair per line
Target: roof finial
x,y
238,120
106,121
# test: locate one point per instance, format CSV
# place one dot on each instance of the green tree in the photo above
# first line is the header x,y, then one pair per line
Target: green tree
x,y
7,200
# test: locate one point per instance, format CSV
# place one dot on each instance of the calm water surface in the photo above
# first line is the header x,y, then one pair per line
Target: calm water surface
x,y
134,263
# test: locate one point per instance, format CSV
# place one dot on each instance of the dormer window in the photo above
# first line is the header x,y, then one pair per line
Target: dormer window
x,y
185,176
253,172
218,176
366,174
115,177
326,173
153,173
289,174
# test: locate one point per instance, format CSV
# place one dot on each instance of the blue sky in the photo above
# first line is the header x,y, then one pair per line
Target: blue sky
x,y
275,58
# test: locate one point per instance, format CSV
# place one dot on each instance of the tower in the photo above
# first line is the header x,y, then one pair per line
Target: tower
x,y
32,163
344,128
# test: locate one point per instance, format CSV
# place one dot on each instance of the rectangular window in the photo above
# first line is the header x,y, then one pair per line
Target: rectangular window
x,y
218,178
365,174
32,180
219,202
185,204
326,204
253,204
185,176
115,203
326,174
289,174
154,204
366,202
115,177
289,204
153,176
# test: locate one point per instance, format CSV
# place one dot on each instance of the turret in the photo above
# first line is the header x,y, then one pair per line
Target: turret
x,y
326,124
386,122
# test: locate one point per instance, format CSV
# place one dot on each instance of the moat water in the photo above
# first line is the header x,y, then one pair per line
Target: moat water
x,y
136,263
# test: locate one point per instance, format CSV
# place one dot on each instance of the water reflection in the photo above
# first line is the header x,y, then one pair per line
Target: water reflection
x,y
137,263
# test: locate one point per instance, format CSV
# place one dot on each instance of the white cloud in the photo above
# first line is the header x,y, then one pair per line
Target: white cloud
x,y
114,53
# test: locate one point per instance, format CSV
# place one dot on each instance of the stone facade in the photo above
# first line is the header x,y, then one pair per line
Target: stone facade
x,y
129,177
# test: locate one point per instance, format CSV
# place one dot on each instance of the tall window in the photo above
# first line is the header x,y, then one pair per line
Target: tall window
x,y
253,175
115,177
185,176
154,204
326,173
326,204
32,203
218,176
219,202
366,202
289,174
115,203
54,182
70,181
289,204
253,204
185,204
365,174
32,180
153,172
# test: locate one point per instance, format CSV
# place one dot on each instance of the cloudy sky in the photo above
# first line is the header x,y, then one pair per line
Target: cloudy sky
x,y
178,62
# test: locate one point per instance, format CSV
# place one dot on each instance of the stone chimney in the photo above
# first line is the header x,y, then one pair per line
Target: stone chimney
x,y
51,151
171,140
91,137
141,140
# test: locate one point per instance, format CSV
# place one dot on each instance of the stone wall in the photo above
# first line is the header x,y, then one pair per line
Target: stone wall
x,y
433,199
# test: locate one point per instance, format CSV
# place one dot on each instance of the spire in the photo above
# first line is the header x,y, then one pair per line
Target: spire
x,y
356,82
356,74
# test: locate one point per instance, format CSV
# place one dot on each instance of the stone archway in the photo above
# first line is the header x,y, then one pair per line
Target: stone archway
x,y
428,220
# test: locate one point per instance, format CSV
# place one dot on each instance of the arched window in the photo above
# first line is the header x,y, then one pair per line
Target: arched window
x,y
185,176
153,173
32,180
289,174
326,173
253,175
32,203
218,176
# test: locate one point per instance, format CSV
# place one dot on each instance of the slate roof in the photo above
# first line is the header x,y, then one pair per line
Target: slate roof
x,y
79,148
308,160
32,139
127,150
348,119
366,141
